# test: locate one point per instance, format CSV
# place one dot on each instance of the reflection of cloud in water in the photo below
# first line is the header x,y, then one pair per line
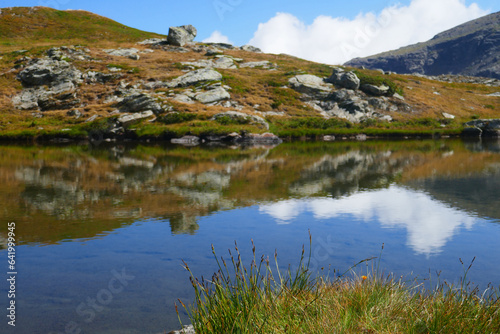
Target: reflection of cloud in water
x,y
430,224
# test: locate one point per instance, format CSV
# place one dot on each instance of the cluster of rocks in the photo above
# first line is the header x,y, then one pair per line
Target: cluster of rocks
x,y
462,79
342,95
482,128
48,84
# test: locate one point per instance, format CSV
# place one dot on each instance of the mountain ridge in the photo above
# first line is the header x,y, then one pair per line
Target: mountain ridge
x,y
472,49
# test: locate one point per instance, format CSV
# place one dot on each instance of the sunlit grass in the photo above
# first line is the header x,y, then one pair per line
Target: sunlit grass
x,y
261,298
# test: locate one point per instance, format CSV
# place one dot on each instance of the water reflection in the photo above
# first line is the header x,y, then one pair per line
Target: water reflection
x,y
146,207
429,223
74,193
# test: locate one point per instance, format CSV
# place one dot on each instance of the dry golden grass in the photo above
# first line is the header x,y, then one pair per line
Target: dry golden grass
x,y
250,87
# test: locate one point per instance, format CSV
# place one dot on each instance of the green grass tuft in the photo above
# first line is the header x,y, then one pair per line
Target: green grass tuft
x,y
264,299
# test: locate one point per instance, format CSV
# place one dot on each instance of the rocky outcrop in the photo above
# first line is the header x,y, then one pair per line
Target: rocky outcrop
x,y
46,71
180,36
375,90
224,62
127,119
265,64
49,84
250,48
348,102
62,96
131,53
214,95
139,102
471,49
195,77
482,128
310,84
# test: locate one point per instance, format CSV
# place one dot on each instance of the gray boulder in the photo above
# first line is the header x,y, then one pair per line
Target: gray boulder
x,y
61,96
253,64
342,95
336,76
130,118
251,48
349,80
151,41
213,95
92,77
375,90
224,63
129,53
139,102
483,128
195,77
48,72
241,117
343,79
310,84
180,36
356,105
183,98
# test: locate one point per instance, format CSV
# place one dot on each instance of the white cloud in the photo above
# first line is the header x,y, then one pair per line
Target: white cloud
x,y
217,37
429,223
337,40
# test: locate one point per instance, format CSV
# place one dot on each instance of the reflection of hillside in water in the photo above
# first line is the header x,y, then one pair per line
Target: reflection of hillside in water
x,y
67,193
478,194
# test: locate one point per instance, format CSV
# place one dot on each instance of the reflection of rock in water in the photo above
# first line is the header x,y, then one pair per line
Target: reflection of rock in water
x,y
3,242
183,223
348,173
483,145
183,185
46,190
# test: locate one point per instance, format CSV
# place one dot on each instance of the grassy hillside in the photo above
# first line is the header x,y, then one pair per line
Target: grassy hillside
x,y
21,26
264,92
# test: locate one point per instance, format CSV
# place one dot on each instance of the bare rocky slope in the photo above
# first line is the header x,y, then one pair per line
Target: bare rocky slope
x,y
471,49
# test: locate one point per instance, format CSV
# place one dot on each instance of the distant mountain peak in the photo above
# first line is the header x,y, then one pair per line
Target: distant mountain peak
x,y
472,48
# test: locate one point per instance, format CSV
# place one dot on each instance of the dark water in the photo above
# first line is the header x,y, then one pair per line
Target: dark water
x,y
101,231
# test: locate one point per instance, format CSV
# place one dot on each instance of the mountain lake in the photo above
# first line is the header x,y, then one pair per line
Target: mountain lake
x,y
101,230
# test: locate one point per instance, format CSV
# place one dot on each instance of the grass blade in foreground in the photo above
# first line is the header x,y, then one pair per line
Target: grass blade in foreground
x,y
252,300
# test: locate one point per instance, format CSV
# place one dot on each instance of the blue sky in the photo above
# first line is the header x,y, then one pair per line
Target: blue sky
x,y
310,30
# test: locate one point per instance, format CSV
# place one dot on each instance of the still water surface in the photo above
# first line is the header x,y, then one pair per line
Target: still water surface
x,y
101,231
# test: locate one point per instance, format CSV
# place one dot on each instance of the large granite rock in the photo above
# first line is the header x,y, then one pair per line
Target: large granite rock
x,y
49,85
127,119
250,48
46,71
194,77
375,90
310,84
61,96
213,95
139,102
344,79
180,36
